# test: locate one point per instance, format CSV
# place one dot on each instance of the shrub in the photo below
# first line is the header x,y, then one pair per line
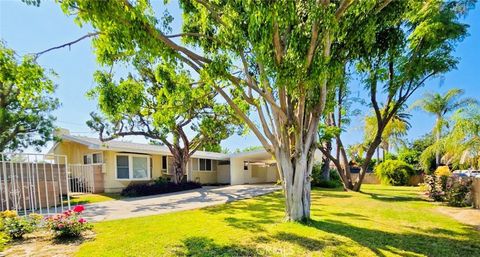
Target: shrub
x,y
319,181
161,180
16,226
144,189
68,224
394,172
458,192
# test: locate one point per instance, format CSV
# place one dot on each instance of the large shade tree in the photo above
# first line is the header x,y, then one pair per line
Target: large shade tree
x,y
412,44
274,56
26,102
440,106
162,103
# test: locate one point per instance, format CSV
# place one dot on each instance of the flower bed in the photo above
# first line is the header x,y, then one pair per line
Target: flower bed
x,y
69,223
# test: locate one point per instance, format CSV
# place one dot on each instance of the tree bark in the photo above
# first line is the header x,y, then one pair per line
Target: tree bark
x,y
368,157
437,140
326,161
296,173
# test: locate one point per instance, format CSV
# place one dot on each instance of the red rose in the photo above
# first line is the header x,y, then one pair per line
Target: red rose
x,y
82,220
78,208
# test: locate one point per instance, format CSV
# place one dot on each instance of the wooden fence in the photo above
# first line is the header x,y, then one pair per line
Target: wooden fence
x,y
476,193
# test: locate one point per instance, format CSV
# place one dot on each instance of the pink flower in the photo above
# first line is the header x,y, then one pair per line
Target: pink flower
x,y
82,220
60,226
78,208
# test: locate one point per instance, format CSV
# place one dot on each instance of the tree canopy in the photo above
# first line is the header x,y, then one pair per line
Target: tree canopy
x,y
412,41
281,59
26,102
163,104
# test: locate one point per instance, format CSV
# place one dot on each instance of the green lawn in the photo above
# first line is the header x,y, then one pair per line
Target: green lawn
x,y
93,198
382,221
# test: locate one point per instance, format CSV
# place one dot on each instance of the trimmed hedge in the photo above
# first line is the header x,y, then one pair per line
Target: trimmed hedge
x,y
144,189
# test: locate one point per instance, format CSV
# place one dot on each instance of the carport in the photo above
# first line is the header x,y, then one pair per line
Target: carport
x,y
253,167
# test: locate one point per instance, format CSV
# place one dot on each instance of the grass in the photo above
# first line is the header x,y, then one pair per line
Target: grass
x,y
381,221
93,198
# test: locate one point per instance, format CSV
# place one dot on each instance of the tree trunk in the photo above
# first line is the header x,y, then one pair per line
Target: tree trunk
x,y
326,161
366,162
179,166
296,175
437,139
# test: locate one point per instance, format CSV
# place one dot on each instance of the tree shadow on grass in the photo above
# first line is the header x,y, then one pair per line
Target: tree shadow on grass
x,y
393,198
405,244
206,247
263,210
309,244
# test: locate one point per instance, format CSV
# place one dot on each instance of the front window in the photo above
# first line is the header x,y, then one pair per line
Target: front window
x,y
205,164
133,167
95,158
123,167
140,167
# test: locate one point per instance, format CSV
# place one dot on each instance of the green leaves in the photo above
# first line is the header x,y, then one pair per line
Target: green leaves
x,y
26,102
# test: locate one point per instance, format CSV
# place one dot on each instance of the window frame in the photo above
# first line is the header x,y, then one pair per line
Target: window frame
x,y
89,156
165,163
205,170
130,167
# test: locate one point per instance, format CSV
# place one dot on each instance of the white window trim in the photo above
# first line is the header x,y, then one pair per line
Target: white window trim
x,y
211,165
130,167
91,158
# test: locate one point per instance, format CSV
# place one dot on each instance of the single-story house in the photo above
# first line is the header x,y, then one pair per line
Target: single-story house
x,y
124,162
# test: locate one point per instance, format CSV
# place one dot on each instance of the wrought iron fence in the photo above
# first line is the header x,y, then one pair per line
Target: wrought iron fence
x,y
34,183
81,178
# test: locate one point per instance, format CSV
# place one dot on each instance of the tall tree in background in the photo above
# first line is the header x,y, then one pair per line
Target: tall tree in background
x,y
26,102
163,104
460,147
412,43
274,56
440,106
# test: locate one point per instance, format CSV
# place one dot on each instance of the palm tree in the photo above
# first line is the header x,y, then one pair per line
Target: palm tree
x,y
392,134
461,146
439,106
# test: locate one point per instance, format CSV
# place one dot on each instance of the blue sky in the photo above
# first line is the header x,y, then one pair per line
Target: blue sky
x,y
29,29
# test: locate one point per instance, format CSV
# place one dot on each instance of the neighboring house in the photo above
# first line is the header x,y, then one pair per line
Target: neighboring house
x,y
122,163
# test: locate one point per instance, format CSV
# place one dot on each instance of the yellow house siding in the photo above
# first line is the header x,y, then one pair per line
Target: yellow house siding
x,y
112,184
204,177
73,151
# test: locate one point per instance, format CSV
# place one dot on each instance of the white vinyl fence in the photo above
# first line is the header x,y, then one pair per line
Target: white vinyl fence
x,y
81,178
34,183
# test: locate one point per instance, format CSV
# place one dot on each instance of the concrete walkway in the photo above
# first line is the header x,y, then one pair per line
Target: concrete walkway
x,y
193,199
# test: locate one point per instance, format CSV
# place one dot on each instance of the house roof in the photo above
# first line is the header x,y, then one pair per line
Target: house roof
x,y
122,146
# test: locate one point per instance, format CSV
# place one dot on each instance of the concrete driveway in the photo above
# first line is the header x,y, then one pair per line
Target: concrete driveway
x,y
192,199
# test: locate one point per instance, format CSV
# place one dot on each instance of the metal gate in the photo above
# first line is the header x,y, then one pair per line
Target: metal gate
x,y
81,178
34,183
